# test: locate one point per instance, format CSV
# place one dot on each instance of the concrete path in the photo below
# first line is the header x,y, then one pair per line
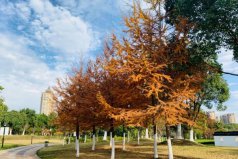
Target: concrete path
x,y
23,152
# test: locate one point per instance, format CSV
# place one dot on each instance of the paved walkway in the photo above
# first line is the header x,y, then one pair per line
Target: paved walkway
x,y
23,152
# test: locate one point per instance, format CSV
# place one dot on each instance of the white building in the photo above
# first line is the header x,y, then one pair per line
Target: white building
x,y
226,138
6,130
47,102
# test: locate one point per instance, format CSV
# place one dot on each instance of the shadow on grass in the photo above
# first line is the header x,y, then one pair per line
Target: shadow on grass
x,y
68,152
210,143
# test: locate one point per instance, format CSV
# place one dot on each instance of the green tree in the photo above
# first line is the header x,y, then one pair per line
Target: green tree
x,y
30,119
3,107
216,22
214,93
15,121
41,122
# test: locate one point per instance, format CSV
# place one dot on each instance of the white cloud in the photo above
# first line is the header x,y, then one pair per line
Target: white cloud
x,y
24,72
22,75
56,28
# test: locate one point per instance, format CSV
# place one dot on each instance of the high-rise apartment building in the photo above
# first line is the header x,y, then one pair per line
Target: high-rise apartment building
x,y
47,102
228,118
231,118
224,119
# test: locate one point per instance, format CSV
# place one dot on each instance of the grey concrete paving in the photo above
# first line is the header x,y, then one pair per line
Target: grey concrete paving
x,y
23,152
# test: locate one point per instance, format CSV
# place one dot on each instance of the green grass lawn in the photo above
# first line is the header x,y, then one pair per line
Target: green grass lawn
x,y
19,140
143,151
8,146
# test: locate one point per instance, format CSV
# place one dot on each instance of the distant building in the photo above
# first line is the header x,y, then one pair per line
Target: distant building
x,y
47,102
231,118
6,130
228,118
224,119
211,115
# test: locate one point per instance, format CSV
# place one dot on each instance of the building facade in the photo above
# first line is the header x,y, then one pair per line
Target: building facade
x,y
228,118
47,102
231,118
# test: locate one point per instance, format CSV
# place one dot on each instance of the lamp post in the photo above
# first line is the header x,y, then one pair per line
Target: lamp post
x,y
4,126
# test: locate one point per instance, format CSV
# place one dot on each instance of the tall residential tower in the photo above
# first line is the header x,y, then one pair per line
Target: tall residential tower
x,y
47,102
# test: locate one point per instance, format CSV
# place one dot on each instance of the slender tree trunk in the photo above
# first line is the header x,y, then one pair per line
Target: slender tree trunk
x,y
124,139
128,136
110,138
24,130
77,140
191,134
34,130
156,156
179,131
138,136
113,141
64,141
10,133
170,150
147,133
85,138
105,136
94,138
154,102
69,139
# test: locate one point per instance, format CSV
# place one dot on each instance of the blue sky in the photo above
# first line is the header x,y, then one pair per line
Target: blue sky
x,y
40,40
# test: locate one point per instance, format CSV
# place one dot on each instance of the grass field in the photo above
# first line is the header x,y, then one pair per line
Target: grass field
x,y
143,151
19,140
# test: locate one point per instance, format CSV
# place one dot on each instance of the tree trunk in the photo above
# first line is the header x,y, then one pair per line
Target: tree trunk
x,y
94,138
138,137
124,139
156,156
124,142
113,141
24,130
85,138
77,141
110,138
147,133
179,132
64,141
170,150
128,136
69,139
154,102
191,134
10,133
105,136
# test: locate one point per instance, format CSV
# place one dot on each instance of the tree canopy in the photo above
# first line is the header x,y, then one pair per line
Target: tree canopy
x,y
216,21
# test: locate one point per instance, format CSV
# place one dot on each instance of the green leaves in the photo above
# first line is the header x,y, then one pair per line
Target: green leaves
x,y
215,92
216,22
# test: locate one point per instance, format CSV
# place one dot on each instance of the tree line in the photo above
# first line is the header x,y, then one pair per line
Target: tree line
x,y
26,121
158,73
